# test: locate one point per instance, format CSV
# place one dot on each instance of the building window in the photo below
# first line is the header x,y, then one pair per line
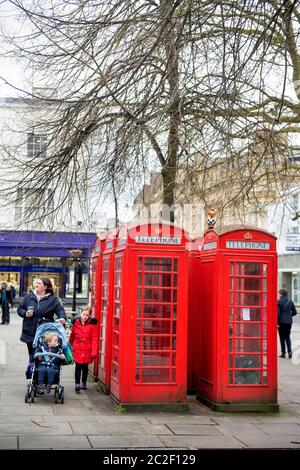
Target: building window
x,y
36,145
32,203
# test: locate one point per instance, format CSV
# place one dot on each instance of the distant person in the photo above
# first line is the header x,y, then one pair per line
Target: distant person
x,y
6,301
39,306
84,341
286,312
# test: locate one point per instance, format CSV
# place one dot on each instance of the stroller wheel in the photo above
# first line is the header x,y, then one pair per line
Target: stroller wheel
x,y
61,394
28,393
55,395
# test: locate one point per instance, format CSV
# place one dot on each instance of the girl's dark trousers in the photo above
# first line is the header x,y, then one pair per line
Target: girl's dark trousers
x,y
81,370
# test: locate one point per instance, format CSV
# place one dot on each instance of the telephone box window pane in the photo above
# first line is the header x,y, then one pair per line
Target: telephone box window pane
x,y
158,280
140,264
157,311
265,377
230,377
139,310
139,279
248,329
250,283
247,345
115,371
231,299
155,359
174,311
156,327
173,359
140,294
248,361
249,299
154,342
157,295
231,283
175,295
155,375
174,325
173,375
175,265
158,264
246,377
175,280
117,293
230,361
230,345
249,269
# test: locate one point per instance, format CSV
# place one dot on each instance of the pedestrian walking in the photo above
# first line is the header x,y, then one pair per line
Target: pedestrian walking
x,y
286,312
84,341
37,307
6,301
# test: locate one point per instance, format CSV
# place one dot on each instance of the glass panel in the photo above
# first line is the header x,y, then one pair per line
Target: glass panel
x,y
173,375
230,377
175,264
255,314
157,295
161,280
230,345
154,342
155,375
158,264
230,329
249,283
248,329
249,299
175,280
154,359
249,269
247,377
174,311
248,362
156,327
249,345
157,311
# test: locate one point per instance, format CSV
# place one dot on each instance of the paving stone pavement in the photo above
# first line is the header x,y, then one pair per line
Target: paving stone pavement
x,y
89,420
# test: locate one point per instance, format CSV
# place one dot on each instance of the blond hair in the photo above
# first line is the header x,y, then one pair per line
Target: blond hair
x,y
49,336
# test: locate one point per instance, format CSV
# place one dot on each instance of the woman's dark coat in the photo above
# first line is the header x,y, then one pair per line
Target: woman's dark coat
x,y
44,310
286,311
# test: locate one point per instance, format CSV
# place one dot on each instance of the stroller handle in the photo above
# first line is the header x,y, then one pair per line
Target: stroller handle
x,y
41,354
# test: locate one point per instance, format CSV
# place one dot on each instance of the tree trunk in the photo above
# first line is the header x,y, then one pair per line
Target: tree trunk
x,y
172,57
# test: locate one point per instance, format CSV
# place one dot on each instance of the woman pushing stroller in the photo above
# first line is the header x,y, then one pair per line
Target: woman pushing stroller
x,y
37,307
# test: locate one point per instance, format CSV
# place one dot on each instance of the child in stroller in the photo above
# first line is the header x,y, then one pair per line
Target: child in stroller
x,y
49,342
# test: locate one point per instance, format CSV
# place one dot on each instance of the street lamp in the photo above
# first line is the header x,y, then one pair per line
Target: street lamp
x,y
75,255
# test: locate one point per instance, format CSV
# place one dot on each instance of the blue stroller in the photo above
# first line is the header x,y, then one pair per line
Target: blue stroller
x,y
60,331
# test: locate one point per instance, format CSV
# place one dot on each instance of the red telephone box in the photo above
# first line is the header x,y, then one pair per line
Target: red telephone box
x,y
95,294
237,308
194,254
149,344
105,323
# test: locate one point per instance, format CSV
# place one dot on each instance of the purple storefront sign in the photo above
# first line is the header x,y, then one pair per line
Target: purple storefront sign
x,y
37,244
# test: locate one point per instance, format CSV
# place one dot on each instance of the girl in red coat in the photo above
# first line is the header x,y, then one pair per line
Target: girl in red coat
x,y
84,341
